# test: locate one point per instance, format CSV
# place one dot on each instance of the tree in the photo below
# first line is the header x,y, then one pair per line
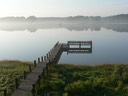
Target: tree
x,y
32,18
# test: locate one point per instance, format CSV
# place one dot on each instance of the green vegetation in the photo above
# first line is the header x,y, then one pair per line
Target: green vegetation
x,y
78,80
70,80
9,70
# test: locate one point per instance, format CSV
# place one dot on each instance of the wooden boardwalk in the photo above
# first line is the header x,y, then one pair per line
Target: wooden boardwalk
x,y
32,79
27,86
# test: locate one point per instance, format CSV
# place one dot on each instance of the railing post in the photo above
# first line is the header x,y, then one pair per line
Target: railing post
x,y
57,42
90,46
33,90
42,59
5,92
38,60
50,63
43,72
16,83
35,63
51,51
39,79
47,56
30,69
68,44
79,44
47,68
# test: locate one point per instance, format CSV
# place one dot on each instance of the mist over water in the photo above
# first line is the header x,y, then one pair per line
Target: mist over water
x,y
70,27
28,42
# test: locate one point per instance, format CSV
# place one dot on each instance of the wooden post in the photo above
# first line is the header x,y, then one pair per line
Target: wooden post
x,y
30,69
16,83
24,74
42,59
68,44
33,90
43,72
39,80
47,56
38,60
47,69
5,92
91,46
35,63
50,63
57,42
50,51
79,44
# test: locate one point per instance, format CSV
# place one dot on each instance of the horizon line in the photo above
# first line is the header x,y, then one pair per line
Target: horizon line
x,y
66,16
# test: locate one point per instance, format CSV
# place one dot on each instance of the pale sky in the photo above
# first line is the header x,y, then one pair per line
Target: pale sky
x,y
62,8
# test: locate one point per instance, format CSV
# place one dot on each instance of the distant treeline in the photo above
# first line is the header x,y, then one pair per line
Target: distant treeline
x,y
122,18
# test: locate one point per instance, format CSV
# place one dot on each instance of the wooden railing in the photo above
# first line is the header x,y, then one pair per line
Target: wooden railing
x,y
16,81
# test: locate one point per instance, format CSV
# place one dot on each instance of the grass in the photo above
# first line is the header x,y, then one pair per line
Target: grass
x,y
81,80
70,80
9,70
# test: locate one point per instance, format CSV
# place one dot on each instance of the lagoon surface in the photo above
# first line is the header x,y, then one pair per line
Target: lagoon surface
x,y
110,43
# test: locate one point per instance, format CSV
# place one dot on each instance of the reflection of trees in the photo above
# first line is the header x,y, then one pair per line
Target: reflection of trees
x,y
77,26
117,27
81,27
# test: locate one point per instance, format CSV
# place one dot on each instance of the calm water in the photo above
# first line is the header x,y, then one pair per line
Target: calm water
x,y
27,44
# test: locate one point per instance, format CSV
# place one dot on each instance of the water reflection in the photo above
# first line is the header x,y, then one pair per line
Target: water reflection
x,y
69,26
116,27
109,46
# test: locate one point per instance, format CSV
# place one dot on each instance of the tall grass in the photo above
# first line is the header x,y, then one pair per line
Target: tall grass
x,y
9,70
80,80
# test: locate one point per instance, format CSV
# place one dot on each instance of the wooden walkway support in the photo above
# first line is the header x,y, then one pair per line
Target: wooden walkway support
x,y
41,68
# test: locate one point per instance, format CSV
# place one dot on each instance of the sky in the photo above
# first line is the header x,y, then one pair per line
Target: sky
x,y
62,8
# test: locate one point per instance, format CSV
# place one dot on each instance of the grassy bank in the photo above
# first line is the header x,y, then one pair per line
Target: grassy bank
x,y
70,80
78,80
9,70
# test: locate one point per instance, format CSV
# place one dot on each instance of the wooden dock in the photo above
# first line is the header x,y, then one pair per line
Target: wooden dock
x,y
78,47
41,67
